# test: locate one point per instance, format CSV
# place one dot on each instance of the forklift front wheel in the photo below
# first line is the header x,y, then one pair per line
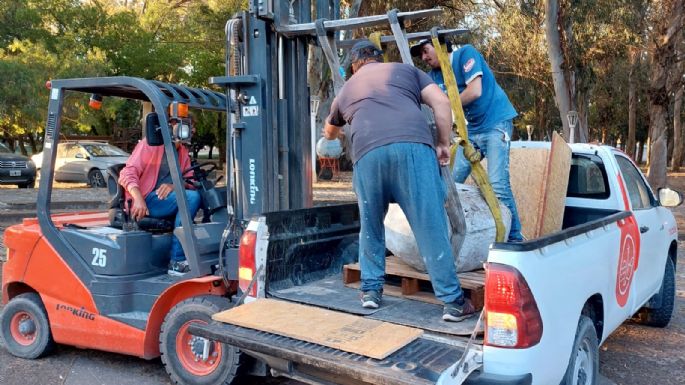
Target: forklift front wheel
x,y
25,328
194,360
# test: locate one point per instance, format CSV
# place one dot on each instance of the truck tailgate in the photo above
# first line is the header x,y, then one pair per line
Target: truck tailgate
x,y
420,362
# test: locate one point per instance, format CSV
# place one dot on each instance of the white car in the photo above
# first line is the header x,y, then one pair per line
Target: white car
x,y
84,161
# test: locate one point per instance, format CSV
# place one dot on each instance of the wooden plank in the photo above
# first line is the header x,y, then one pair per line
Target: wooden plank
x,y
350,274
527,176
396,267
396,291
410,286
337,330
551,215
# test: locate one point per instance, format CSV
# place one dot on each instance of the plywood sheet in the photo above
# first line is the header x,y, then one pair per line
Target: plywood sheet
x,y
527,176
551,214
337,330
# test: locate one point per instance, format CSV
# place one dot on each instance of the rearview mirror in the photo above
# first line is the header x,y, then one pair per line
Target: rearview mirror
x,y
670,198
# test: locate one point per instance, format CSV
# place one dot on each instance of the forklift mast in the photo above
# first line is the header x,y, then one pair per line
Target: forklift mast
x,y
270,160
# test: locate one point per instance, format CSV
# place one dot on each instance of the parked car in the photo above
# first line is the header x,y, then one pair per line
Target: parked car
x,y
84,161
16,169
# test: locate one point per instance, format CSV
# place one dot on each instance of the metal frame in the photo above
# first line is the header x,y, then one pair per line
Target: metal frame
x,y
160,95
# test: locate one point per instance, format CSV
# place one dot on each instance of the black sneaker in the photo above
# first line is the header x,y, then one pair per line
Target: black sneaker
x,y
455,312
178,268
371,299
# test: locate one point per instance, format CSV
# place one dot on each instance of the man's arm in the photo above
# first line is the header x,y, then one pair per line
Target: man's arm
x,y
334,122
433,96
472,91
331,131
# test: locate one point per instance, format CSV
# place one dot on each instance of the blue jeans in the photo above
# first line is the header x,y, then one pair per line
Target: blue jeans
x,y
494,145
406,173
163,208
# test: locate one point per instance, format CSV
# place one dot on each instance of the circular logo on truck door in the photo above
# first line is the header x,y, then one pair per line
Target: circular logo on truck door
x,y
627,259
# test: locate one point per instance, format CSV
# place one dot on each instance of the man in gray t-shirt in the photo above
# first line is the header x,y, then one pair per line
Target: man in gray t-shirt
x,y
395,160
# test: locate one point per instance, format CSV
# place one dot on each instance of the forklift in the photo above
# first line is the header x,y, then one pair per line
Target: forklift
x,y
98,280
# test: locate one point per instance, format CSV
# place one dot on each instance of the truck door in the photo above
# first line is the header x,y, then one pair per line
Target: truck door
x,y
649,264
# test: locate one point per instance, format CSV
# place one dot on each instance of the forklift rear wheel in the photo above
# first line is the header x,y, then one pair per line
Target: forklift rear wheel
x,y
25,327
95,179
194,360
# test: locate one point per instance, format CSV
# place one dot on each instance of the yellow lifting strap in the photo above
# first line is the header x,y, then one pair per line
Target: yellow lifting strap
x,y
477,171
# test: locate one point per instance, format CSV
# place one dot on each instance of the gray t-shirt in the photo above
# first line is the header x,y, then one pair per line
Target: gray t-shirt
x,y
164,176
382,105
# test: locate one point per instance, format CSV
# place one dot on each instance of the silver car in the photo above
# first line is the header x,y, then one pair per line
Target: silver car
x,y
84,161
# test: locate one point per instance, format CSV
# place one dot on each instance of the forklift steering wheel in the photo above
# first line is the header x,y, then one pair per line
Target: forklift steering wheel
x,y
200,172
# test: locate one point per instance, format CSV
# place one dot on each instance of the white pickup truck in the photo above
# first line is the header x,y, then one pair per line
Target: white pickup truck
x,y
549,302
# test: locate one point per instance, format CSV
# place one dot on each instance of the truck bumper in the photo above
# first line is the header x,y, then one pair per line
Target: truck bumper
x,y
479,378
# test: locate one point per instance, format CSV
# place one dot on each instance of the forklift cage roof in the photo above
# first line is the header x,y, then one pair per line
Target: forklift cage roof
x,y
159,93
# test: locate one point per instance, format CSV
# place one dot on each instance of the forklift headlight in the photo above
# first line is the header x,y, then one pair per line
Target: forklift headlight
x,y
182,132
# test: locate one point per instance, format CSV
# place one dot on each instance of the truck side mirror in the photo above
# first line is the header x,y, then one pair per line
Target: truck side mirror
x,y
670,198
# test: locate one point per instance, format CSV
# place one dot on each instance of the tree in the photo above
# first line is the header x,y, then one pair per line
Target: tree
x,y
667,24
678,145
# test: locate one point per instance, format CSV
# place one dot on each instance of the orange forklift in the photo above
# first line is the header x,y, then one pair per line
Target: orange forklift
x,y
98,280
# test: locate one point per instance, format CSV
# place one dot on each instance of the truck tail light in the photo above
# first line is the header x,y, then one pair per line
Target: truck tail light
x,y
247,262
512,318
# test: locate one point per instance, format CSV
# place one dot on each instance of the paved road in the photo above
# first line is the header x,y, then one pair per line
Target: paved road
x,y
632,355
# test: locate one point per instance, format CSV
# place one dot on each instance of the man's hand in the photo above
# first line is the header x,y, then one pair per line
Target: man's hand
x,y
443,153
139,209
164,190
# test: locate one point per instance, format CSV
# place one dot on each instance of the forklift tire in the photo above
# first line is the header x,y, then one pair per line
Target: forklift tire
x,y
583,366
25,328
661,316
182,352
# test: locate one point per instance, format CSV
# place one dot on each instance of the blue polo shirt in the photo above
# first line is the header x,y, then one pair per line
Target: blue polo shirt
x,y
493,106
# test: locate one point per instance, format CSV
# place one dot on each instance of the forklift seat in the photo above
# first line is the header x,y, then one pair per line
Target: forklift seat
x,y
117,207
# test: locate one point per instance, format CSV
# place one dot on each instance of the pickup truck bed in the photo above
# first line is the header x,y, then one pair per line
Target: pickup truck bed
x,y
303,263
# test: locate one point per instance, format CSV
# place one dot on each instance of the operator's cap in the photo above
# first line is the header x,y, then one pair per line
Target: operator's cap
x,y
364,49
417,48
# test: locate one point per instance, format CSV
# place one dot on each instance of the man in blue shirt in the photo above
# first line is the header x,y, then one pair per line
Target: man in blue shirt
x,y
489,116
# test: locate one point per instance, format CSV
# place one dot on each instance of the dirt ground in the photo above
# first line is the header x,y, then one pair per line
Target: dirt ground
x,y
633,354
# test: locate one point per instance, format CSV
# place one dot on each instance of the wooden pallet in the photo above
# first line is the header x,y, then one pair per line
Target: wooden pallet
x,y
473,282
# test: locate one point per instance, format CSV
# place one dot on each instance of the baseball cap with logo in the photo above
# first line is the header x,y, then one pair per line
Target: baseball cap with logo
x,y
417,48
364,49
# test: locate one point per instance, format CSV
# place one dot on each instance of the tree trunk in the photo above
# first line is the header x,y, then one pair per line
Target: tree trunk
x,y
640,152
677,160
663,52
583,112
22,147
632,103
556,59
32,143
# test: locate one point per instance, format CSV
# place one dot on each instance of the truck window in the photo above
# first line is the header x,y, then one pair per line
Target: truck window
x,y
638,192
588,178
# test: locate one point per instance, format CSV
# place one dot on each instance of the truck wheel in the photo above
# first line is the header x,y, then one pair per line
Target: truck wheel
x,y
660,317
25,328
182,353
95,179
583,367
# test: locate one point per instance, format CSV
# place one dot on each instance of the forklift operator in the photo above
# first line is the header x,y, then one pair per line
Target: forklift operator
x,y
147,181
395,160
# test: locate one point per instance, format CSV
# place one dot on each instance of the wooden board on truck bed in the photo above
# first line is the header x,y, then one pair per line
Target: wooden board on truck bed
x,y
539,179
346,332
473,282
